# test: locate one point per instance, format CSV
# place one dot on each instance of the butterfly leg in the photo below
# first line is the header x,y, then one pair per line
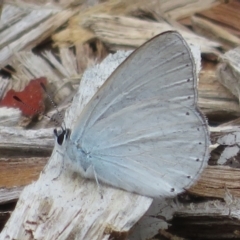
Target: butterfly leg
x,y
46,166
98,185
90,173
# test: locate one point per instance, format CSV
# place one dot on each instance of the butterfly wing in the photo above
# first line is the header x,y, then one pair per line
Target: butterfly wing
x,y
142,131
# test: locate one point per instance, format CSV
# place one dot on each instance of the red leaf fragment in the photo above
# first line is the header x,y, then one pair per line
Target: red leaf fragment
x,y
33,96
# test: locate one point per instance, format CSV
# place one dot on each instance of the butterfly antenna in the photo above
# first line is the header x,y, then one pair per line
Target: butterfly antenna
x,y
35,110
54,104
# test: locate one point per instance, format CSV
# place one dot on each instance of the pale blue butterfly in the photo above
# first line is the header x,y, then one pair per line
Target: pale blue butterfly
x,y
142,131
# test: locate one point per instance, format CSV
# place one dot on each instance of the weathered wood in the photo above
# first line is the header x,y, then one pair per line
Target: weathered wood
x,y
229,71
215,180
208,220
132,32
183,8
25,24
10,15
34,36
65,208
225,15
9,116
214,99
10,194
25,140
215,32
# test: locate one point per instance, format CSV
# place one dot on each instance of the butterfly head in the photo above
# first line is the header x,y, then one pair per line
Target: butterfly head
x,y
62,135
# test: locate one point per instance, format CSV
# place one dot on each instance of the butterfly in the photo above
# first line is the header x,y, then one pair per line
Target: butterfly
x,y
142,131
